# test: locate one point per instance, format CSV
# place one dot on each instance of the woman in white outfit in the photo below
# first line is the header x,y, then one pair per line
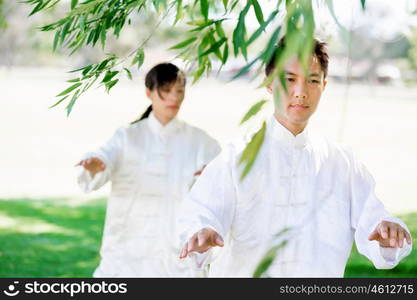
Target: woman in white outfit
x,y
151,165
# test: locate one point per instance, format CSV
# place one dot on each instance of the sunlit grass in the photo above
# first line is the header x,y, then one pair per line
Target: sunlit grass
x,y
55,238
49,238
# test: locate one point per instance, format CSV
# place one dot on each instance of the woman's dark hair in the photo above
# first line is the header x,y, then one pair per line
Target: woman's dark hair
x,y
161,75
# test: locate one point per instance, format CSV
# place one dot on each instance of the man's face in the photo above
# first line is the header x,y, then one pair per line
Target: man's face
x,y
168,101
304,92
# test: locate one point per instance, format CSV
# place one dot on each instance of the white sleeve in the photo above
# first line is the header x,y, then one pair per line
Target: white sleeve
x,y
208,152
110,154
212,150
367,211
210,203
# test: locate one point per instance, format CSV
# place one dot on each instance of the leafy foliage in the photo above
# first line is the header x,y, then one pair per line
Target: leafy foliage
x,y
89,22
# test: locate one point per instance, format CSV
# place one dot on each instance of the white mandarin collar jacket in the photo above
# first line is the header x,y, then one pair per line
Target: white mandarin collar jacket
x,y
151,168
317,191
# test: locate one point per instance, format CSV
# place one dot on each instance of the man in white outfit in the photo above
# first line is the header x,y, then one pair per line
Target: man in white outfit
x,y
314,189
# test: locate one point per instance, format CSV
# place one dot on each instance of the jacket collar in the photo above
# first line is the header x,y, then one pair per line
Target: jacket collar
x,y
277,131
159,129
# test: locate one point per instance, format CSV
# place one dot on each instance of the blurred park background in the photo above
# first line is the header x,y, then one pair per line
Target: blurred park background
x,y
48,228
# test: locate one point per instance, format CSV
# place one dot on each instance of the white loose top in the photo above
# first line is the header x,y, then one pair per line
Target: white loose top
x,y
317,190
151,167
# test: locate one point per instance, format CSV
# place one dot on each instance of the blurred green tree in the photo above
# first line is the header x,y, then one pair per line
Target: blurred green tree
x,y
412,52
3,23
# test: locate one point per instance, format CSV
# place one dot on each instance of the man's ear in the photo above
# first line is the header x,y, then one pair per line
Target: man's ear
x,y
324,83
269,88
148,93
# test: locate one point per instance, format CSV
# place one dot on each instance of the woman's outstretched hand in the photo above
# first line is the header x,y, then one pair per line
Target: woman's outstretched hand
x,y
93,165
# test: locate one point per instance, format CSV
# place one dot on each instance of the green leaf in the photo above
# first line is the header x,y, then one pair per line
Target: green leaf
x,y
73,71
206,24
139,58
258,11
105,62
56,40
87,86
268,259
253,110
261,28
129,74
183,43
219,30
81,23
69,90
283,82
72,102
41,5
64,31
103,37
251,151
205,41
199,22
246,68
180,13
234,5
111,84
281,56
204,6
306,50
73,3
267,54
58,102
102,65
74,80
212,42
263,266
225,53
109,75
86,69
214,47
156,4
96,35
35,9
225,2
199,72
90,36
239,32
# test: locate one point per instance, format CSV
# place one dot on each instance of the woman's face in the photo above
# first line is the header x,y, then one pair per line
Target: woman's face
x,y
167,102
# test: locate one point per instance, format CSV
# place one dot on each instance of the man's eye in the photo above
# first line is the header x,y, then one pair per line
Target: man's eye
x,y
290,79
313,81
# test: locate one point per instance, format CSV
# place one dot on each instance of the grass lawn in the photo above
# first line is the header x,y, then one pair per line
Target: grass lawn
x,y
49,238
60,238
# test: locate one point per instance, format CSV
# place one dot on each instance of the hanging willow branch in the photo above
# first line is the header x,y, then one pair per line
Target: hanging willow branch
x,y
89,22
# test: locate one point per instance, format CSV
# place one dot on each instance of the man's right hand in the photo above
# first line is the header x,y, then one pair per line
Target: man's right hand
x,y
93,165
202,241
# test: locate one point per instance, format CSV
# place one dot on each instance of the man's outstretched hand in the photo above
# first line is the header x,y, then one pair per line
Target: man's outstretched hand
x,y
202,241
390,235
